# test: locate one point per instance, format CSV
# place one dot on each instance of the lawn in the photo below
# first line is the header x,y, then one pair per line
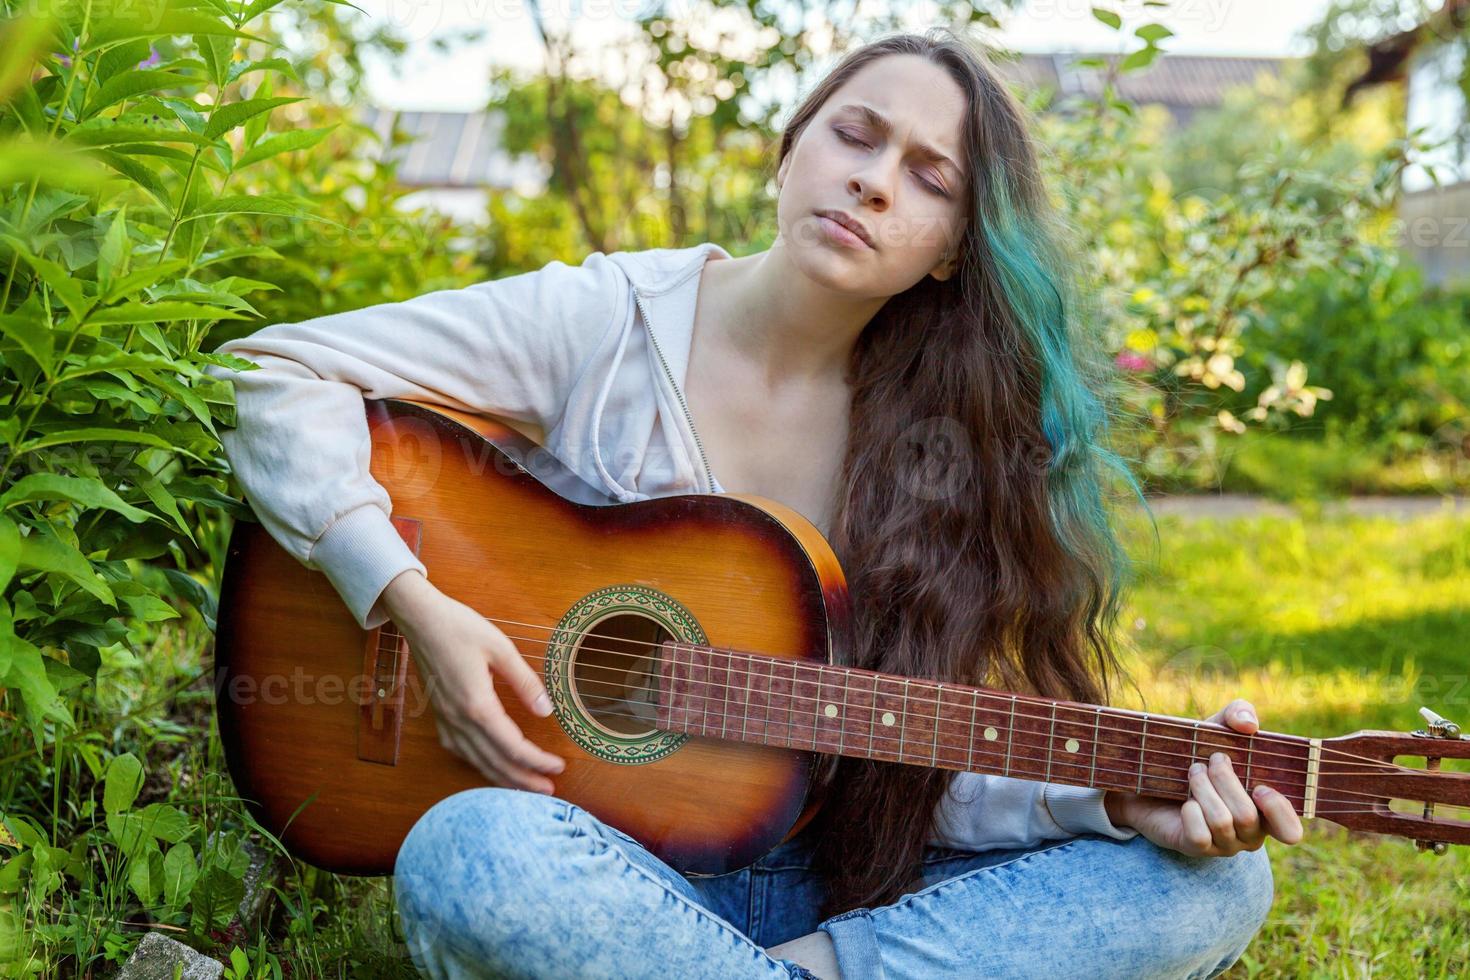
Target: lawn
x,y
1328,625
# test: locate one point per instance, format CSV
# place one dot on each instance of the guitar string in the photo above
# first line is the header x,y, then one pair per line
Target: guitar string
x,y
1323,799
1102,742
1005,699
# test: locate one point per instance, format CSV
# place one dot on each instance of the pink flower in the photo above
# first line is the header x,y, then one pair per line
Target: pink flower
x,y
153,58
1132,361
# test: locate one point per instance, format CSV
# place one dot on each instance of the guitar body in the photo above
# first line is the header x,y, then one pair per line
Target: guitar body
x,y
328,729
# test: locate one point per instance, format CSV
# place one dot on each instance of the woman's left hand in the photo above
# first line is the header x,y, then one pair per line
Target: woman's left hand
x,y
1220,818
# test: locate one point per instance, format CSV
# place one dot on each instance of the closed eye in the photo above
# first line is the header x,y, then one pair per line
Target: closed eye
x,y
849,138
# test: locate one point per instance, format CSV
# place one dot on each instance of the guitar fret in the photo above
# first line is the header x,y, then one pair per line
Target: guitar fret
x,y
790,701
842,717
1250,748
873,720
744,719
1142,754
1092,772
725,693
1051,740
938,716
1010,735
974,712
903,717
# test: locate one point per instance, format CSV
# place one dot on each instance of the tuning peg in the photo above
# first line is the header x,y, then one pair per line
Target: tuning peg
x,y
1439,727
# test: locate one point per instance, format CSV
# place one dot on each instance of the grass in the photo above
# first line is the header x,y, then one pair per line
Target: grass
x,y
1327,624
1303,466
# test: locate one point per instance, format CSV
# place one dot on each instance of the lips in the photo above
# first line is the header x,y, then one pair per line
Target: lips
x,y
851,224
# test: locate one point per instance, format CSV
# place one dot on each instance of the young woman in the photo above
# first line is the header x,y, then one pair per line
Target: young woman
x,y
913,303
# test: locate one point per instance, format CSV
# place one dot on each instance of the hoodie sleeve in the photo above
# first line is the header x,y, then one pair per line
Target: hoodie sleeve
x,y
983,812
300,447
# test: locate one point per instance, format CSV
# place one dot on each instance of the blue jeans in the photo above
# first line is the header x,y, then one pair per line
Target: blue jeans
x,y
497,882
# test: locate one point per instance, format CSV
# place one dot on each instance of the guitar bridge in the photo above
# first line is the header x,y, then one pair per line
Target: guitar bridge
x,y
385,672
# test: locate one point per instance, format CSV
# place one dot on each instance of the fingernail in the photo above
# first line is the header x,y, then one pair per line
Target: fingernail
x,y
1247,716
1261,790
543,705
1196,769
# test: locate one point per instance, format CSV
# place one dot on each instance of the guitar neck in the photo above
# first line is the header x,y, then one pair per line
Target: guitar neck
x,y
849,711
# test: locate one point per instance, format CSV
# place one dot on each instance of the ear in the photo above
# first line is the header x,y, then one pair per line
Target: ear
x,y
946,266
781,170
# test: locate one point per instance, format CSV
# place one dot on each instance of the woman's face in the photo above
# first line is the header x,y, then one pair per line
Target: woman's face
x,y
912,204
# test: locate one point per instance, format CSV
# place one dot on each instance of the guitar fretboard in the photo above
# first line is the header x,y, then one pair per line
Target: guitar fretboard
x,y
849,711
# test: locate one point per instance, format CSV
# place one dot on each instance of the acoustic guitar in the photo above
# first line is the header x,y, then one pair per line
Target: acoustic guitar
x,y
694,647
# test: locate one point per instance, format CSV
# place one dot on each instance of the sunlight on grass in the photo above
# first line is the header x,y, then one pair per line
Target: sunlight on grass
x,y
1328,626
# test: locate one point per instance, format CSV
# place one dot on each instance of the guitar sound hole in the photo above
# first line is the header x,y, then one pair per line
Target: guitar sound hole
x,y
614,673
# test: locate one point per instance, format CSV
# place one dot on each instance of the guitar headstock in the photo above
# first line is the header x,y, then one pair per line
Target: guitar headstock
x,y
1360,777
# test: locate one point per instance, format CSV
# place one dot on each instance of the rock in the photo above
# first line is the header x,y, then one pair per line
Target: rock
x,y
157,956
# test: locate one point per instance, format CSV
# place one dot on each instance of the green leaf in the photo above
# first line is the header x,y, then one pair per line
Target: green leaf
x,y
94,433
179,872
257,8
283,204
185,396
296,139
216,51
123,782
1153,33
139,173
163,312
123,58
42,551
9,554
114,256
165,822
142,278
116,360
163,500
129,84
1141,58
51,163
171,22
1108,17
33,337
85,491
66,286
104,132
239,68
21,39
227,117
23,667
145,873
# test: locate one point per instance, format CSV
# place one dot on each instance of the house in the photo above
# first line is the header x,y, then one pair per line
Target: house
x,y
1436,220
1183,84
454,157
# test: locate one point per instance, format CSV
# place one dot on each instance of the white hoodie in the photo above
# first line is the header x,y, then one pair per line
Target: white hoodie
x,y
592,358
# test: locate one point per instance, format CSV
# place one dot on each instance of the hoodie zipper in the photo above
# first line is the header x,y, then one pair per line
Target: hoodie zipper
x,y
709,476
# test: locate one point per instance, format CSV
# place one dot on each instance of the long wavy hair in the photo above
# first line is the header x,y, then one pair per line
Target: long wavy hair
x,y
971,516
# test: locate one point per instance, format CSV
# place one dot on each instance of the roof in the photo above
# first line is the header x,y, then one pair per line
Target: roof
x,y
1182,83
451,149
462,149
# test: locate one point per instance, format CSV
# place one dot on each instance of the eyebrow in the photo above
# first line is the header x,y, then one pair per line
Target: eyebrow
x,y
880,122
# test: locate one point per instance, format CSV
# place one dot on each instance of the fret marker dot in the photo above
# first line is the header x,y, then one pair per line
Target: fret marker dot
x,y
991,734
1073,745
830,711
887,717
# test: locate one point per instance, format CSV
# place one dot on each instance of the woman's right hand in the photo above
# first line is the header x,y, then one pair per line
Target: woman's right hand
x,y
458,650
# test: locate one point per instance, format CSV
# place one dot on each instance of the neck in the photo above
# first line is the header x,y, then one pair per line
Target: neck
x,y
776,317
854,712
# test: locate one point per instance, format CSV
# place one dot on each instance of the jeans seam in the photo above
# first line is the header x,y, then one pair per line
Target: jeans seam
x,y
699,913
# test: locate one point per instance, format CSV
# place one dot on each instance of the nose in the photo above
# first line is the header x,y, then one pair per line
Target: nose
x,y
870,187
